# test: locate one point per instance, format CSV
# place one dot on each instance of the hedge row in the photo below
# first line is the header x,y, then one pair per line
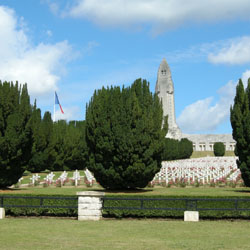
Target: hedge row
x,y
243,203
28,211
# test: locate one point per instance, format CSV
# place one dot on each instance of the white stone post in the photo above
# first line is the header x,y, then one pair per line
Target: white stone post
x,y
90,205
191,216
2,213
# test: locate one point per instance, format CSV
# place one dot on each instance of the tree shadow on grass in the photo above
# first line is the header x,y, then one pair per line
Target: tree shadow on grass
x,y
127,191
6,190
242,191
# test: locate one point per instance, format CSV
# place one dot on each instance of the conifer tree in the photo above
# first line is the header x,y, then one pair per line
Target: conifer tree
x,y
15,132
175,149
75,144
219,149
67,149
124,136
185,148
240,121
57,147
42,130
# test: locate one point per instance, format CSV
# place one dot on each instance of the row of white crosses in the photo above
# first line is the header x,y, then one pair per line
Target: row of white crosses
x,y
63,177
204,170
89,176
35,178
76,177
50,178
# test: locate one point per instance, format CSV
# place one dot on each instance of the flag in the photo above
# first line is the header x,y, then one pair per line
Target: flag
x,y
57,102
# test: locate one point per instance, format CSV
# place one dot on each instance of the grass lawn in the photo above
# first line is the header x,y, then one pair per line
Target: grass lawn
x,y
35,233
158,190
198,154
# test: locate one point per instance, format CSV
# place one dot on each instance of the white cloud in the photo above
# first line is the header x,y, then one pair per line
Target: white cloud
x,y
70,113
245,77
39,66
234,51
163,14
203,115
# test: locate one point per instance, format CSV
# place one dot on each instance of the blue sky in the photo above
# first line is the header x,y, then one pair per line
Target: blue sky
x,y
77,46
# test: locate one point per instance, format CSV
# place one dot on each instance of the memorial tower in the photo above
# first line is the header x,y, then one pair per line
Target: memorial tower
x,y
165,91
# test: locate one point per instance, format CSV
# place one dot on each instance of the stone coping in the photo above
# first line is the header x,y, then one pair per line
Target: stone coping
x,y
90,193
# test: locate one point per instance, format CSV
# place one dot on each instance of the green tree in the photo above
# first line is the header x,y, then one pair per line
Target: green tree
x,y
171,150
42,130
240,121
219,149
124,136
15,132
75,143
57,146
175,149
68,146
185,148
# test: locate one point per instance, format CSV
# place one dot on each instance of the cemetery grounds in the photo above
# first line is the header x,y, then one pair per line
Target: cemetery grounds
x,y
64,233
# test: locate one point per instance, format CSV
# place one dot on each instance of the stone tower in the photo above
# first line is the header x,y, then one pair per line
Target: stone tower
x,y
165,90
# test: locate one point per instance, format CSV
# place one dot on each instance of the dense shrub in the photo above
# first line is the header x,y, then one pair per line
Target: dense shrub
x,y
57,146
175,149
227,203
185,148
136,212
219,149
36,211
124,136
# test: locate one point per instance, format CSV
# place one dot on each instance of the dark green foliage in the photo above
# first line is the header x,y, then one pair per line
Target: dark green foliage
x,y
47,201
228,203
124,136
76,148
219,149
171,149
240,121
172,204
42,130
15,132
57,146
68,146
174,149
185,148
30,142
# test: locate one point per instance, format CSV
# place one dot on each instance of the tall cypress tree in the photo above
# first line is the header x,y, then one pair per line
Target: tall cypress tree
x,y
75,145
240,121
124,136
68,146
41,134
15,132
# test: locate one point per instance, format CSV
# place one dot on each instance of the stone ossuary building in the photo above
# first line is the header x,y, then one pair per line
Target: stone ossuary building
x,y
165,90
